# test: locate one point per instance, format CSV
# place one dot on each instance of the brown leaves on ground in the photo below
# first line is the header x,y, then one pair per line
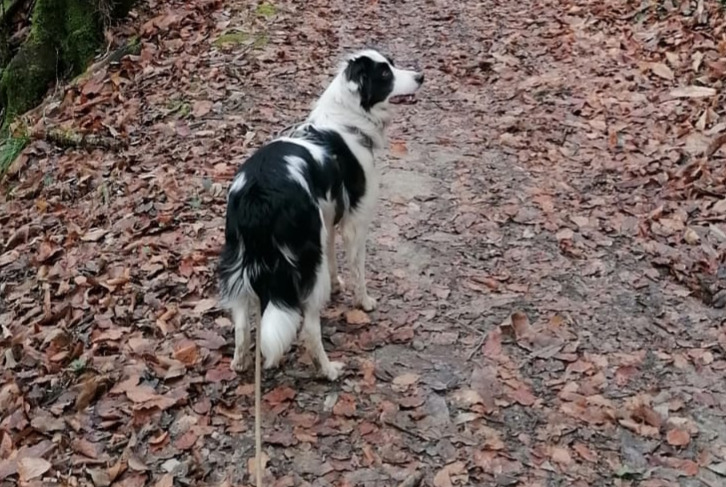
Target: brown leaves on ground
x,y
539,207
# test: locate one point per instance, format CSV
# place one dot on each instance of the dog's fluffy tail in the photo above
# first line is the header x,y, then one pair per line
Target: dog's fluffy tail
x,y
279,328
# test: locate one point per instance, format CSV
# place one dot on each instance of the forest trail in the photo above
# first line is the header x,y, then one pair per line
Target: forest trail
x,y
548,255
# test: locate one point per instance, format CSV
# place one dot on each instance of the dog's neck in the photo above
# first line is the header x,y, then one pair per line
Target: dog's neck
x,y
340,107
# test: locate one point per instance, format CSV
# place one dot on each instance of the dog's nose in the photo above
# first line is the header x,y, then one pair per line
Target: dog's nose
x,y
419,78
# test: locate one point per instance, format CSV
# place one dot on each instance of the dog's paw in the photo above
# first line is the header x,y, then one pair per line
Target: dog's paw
x,y
239,363
368,303
333,370
337,285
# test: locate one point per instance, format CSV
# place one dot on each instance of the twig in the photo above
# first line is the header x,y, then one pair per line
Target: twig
x,y
412,480
400,428
716,144
476,348
635,13
471,328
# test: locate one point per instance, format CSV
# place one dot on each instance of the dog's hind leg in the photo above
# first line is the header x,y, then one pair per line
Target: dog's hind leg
x,y
314,344
240,317
311,321
354,238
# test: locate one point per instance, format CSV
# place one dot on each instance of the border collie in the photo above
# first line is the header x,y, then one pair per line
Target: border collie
x,y
285,201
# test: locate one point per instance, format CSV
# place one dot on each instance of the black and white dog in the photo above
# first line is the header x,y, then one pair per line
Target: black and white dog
x,y
278,259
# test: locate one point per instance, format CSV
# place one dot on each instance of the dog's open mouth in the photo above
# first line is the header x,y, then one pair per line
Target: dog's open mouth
x,y
402,100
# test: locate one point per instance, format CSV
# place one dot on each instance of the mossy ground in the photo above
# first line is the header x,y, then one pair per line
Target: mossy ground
x,y
239,38
266,9
10,148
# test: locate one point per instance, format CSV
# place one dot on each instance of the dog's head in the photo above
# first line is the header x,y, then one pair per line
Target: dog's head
x,y
374,78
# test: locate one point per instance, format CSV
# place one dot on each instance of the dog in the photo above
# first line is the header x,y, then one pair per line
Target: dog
x,y
278,261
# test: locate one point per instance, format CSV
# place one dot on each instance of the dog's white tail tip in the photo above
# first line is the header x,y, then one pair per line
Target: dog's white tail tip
x,y
278,328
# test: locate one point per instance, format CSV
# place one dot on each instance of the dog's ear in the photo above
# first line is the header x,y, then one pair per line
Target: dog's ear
x,y
357,71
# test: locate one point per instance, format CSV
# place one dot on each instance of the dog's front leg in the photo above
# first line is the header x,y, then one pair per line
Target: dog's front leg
x,y
354,237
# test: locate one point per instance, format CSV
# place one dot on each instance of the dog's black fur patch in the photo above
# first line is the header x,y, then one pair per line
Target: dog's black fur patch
x,y
375,80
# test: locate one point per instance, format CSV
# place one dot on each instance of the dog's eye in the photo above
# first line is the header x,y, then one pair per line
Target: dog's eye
x,y
387,74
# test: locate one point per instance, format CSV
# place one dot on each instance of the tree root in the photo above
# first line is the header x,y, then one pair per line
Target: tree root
x,y
68,139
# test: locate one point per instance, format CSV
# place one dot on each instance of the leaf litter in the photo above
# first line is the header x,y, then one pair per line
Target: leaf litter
x,y
549,255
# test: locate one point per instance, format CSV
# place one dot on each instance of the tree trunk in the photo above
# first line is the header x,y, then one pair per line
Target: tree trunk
x,y
64,36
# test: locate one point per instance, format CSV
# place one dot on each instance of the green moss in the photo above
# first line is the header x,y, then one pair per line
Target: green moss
x,y
237,38
10,149
261,40
83,31
46,26
180,106
26,78
4,47
233,38
266,9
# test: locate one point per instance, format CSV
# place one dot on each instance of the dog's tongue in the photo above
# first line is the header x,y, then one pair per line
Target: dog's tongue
x,y
403,100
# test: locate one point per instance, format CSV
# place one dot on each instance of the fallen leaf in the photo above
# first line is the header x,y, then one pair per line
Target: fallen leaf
x,y
135,463
252,464
141,394
406,379
204,305
398,148
167,480
47,424
693,92
523,396
86,448
678,437
585,453
279,395
186,352
663,71
719,468
357,317
90,389
520,323
346,406
94,235
221,372
30,468
565,234
9,257
100,477
443,477
493,345
201,108
560,455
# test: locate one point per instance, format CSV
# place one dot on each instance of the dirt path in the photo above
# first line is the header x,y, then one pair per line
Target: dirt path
x,y
523,336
